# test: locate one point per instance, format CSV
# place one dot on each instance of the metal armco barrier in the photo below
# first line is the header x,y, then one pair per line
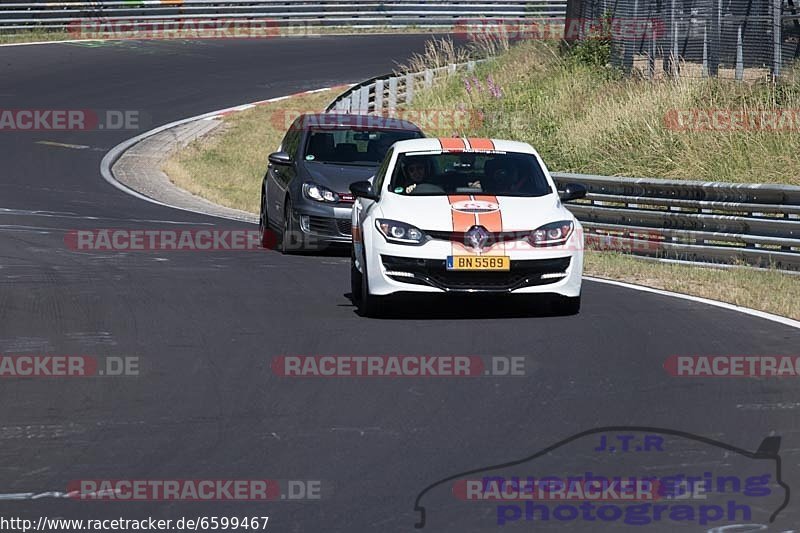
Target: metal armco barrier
x,y
16,16
753,224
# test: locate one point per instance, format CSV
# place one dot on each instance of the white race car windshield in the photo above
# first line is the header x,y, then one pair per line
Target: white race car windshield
x,y
447,173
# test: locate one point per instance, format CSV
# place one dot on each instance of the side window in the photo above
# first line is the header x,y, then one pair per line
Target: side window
x,y
380,176
292,138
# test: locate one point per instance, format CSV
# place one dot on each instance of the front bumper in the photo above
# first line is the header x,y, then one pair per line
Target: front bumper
x,y
433,273
394,268
325,223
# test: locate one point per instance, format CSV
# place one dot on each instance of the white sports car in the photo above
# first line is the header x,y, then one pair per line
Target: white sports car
x,y
464,215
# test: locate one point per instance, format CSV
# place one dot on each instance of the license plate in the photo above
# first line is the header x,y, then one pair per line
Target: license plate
x,y
478,262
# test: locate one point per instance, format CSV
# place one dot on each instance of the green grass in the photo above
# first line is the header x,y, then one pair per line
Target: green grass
x,y
590,119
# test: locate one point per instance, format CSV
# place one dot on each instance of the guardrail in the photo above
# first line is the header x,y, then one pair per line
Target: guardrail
x,y
16,16
697,221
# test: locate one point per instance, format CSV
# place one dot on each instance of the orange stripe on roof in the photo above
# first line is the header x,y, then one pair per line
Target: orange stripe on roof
x,y
481,144
452,144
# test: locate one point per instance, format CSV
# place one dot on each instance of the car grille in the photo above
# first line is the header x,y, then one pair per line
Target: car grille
x,y
433,272
345,226
334,227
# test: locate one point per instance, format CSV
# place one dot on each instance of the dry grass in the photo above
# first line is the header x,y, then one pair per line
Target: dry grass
x,y
227,166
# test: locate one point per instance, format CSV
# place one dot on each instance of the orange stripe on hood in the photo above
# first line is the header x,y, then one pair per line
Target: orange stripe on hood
x,y
461,222
492,221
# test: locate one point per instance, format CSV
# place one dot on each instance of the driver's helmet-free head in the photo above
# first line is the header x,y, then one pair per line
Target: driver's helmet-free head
x,y
415,170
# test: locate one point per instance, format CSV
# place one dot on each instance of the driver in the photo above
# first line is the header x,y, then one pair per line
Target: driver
x,y
416,172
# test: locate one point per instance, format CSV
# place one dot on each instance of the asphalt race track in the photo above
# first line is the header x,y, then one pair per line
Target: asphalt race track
x,y
205,327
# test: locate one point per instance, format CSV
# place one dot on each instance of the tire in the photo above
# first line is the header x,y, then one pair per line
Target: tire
x,y
289,231
368,304
567,306
265,235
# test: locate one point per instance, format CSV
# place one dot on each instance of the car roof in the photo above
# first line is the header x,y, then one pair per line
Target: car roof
x,y
462,144
351,120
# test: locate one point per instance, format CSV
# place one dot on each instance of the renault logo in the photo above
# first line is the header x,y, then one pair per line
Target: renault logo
x,y
477,237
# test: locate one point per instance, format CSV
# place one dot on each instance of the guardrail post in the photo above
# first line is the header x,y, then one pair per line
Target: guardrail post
x,y
409,88
379,97
392,95
470,66
428,78
451,69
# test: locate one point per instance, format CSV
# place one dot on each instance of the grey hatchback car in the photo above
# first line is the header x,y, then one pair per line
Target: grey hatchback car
x,y
305,198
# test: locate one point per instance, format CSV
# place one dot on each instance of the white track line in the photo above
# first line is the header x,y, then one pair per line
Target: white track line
x,y
746,310
111,157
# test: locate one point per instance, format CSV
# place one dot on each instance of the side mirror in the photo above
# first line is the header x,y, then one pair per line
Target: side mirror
x,y
573,191
363,189
280,158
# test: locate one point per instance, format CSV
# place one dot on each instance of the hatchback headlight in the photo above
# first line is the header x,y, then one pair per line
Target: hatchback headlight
x,y
319,193
551,234
400,232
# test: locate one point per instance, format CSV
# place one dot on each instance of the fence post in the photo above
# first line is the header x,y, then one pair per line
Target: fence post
x,y
676,69
651,61
470,66
777,35
364,99
392,95
451,68
409,88
715,39
739,56
704,72
355,101
428,78
668,59
379,97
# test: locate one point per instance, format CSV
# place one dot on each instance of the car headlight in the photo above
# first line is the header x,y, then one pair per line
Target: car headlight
x,y
319,193
400,232
551,234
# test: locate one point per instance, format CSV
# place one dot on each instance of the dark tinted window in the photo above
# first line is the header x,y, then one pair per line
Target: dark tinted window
x,y
499,174
352,146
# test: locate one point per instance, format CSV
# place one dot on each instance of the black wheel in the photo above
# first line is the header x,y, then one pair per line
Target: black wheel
x,y
564,305
290,234
368,304
265,235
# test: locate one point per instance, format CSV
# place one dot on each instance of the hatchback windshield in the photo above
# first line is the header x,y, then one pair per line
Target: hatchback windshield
x,y
352,146
500,174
